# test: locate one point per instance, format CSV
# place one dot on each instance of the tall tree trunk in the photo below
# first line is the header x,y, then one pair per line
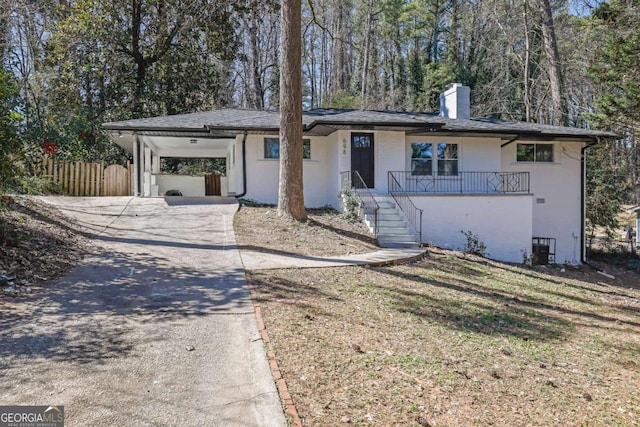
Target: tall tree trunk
x,y
291,194
366,54
141,66
559,105
527,65
340,75
257,97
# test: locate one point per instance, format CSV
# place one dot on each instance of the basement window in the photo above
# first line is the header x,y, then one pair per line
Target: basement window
x,y
540,153
272,148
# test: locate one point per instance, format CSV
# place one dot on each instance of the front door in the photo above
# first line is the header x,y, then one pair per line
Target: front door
x,y
362,159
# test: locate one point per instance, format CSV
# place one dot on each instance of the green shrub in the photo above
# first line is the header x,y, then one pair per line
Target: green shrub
x,y
37,185
350,203
474,244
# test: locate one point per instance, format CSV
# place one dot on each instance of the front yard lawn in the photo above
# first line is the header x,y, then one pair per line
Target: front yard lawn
x,y
456,340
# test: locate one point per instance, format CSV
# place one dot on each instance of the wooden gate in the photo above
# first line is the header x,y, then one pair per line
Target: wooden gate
x,y
116,181
212,185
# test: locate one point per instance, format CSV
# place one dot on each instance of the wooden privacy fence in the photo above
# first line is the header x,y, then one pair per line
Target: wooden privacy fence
x,y
88,179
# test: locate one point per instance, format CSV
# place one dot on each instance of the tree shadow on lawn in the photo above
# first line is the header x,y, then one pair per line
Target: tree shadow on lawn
x,y
493,312
591,283
312,222
551,274
88,315
488,312
369,239
455,304
273,288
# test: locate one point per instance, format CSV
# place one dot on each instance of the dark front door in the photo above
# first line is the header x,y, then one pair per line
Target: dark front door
x,y
362,157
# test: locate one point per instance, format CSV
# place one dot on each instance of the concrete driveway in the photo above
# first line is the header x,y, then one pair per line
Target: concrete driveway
x,y
156,328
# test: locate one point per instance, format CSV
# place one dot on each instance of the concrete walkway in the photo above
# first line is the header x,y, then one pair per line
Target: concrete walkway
x,y
155,328
253,260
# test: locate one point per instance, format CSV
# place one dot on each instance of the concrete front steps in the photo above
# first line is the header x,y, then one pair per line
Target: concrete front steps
x,y
393,230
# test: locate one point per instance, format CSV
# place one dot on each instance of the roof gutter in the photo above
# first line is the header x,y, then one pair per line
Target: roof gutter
x,y
177,130
420,126
510,141
583,195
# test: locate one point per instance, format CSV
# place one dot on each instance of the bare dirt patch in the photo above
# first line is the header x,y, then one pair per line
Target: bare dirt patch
x,y
325,233
456,340
37,244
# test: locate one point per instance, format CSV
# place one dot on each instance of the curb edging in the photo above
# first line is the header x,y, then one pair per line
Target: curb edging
x,y
281,384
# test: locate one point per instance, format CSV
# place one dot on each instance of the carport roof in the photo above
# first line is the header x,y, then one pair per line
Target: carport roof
x,y
228,122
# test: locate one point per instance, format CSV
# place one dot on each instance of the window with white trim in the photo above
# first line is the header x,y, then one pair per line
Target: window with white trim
x,y
541,153
422,159
448,159
272,148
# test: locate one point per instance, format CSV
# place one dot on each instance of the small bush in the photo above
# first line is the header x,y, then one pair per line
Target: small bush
x,y
37,185
350,203
474,245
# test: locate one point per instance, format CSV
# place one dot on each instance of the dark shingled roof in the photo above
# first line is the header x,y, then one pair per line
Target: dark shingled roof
x,y
326,121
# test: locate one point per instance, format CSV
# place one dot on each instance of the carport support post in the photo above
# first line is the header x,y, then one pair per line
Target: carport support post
x,y
147,171
155,164
136,166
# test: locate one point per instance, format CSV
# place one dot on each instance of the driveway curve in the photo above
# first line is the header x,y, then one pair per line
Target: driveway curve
x,y
155,328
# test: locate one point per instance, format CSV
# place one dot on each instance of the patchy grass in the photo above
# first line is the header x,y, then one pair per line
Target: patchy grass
x,y
325,233
456,340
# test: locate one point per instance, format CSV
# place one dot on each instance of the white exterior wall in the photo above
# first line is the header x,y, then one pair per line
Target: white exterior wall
x,y
556,196
336,146
502,223
343,161
192,186
263,174
317,174
344,142
474,154
390,155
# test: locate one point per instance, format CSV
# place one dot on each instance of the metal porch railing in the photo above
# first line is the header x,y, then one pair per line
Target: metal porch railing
x,y
353,182
406,205
464,182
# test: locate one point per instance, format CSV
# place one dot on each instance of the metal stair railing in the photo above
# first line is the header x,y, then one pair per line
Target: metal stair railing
x,y
352,181
406,205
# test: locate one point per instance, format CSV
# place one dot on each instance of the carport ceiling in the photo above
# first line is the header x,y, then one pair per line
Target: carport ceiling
x,y
181,146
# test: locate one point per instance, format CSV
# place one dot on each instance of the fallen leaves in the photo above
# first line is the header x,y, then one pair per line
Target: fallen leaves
x,y
37,244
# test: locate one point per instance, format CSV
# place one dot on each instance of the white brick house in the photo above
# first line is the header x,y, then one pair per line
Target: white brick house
x,y
518,186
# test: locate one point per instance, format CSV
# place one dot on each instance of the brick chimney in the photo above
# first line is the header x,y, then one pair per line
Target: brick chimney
x,y
455,102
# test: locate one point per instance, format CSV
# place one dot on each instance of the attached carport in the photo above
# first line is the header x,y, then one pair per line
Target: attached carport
x,y
207,134
148,147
